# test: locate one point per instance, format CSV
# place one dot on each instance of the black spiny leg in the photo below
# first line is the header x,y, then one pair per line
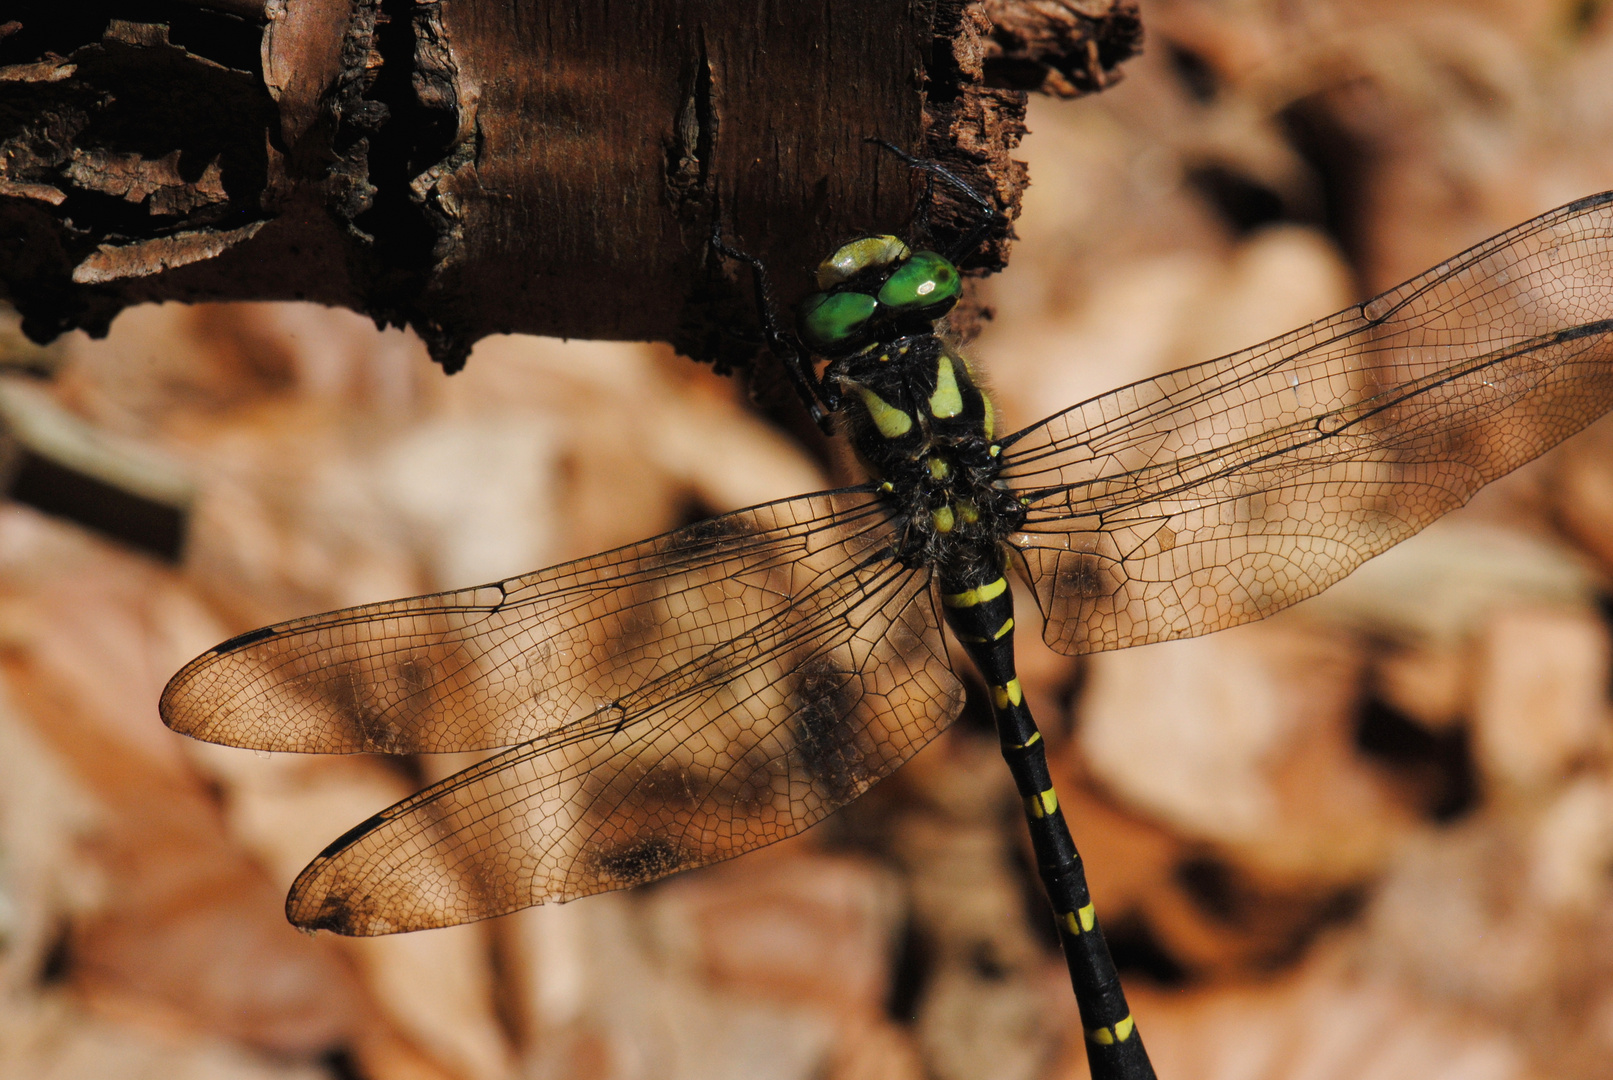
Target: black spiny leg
x,y
990,215
982,617
818,400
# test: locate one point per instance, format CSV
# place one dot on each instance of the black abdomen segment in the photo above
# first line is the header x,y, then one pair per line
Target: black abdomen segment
x,y
982,618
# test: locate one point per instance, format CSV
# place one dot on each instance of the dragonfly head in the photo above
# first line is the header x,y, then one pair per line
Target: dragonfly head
x,y
870,283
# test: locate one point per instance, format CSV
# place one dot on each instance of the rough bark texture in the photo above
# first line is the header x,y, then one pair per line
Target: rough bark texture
x,y
469,167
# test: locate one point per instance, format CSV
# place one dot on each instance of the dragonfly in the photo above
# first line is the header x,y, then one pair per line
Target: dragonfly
x,y
721,687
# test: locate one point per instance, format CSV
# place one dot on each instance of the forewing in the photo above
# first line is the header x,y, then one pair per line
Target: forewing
x,y
1219,493
750,742
509,662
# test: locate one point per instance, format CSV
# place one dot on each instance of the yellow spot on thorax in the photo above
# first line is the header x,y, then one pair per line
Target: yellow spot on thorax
x,y
989,424
947,401
942,519
939,468
892,422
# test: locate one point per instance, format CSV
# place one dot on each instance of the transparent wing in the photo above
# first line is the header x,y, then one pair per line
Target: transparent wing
x,y
667,705
1219,493
489,667
787,719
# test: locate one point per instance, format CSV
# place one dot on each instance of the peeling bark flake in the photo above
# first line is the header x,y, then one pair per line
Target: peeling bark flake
x,y
113,263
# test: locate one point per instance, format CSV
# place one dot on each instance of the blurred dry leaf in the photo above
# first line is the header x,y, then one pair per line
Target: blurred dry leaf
x,y
1267,162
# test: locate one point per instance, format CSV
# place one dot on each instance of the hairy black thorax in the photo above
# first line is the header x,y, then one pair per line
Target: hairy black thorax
x,y
923,427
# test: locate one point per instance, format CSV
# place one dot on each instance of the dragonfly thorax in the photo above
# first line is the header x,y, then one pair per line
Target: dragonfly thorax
x,y
923,428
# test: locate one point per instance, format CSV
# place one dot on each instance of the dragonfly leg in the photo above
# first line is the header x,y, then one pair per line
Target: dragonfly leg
x,y
783,344
982,617
991,217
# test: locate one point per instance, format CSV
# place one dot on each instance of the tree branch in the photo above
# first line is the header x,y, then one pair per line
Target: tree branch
x,y
468,167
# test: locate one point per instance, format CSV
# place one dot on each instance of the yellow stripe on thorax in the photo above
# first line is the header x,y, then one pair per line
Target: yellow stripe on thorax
x,y
946,401
892,422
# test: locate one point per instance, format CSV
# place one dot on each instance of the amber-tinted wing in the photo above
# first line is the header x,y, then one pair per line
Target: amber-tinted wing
x,y
1222,492
685,699
493,666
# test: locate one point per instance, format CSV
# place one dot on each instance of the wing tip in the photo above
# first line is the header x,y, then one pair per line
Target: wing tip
x,y
172,705
332,911
314,904
320,900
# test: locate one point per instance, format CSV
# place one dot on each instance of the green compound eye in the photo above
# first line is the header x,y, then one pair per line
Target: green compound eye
x,y
925,280
830,319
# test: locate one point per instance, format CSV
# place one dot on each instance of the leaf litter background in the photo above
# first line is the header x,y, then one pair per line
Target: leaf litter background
x,y
1371,837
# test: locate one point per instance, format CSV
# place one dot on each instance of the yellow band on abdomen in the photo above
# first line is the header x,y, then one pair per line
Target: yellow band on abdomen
x,y
973,597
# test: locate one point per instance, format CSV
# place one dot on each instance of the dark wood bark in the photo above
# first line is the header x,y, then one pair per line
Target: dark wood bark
x,y
468,167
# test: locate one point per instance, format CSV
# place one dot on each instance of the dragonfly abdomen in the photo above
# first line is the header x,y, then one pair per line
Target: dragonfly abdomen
x,y
982,618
